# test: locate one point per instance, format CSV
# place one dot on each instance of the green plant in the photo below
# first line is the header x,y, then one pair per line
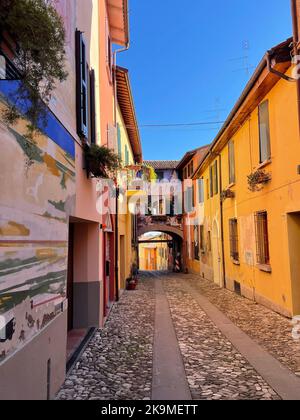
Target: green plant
x,y
257,179
38,32
227,194
149,173
101,161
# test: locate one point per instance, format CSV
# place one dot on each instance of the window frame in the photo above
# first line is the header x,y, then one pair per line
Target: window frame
x,y
262,238
231,162
234,239
82,87
268,135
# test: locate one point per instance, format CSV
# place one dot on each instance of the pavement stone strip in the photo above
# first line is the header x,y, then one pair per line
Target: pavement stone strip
x,y
269,329
117,363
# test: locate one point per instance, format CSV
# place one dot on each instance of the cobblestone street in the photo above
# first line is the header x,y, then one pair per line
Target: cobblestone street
x,y
127,360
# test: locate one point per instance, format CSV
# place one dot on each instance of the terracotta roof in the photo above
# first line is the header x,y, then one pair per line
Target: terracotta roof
x,y
262,81
189,155
126,105
118,21
162,164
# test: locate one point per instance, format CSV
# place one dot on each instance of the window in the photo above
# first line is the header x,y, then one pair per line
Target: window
x,y
160,175
216,180
196,243
193,196
234,242
119,141
209,241
189,200
202,238
207,189
82,87
231,161
211,181
92,107
126,156
262,238
201,190
264,132
192,168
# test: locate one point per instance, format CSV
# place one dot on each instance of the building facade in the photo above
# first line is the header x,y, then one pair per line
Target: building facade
x,y
57,251
250,187
193,208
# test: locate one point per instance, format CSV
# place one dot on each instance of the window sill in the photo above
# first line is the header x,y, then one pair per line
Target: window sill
x,y
235,262
231,186
265,268
264,164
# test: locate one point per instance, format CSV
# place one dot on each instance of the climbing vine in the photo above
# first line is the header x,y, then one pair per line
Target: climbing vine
x,y
38,36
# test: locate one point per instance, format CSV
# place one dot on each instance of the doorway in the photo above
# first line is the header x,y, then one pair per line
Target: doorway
x,y
70,278
293,221
122,262
216,258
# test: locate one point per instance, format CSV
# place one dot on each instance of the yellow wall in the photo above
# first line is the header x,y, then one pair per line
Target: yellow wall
x,y
162,252
279,289
125,220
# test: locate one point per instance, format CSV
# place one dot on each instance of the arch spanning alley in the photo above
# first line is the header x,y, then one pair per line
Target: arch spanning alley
x,y
177,238
170,230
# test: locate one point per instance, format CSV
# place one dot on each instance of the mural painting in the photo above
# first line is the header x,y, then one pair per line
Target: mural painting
x,y
35,203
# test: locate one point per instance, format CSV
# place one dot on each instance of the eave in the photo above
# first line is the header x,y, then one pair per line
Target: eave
x,y
261,83
126,104
117,11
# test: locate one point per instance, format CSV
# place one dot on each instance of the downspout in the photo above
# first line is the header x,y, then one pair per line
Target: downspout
x,y
117,243
222,223
294,9
116,52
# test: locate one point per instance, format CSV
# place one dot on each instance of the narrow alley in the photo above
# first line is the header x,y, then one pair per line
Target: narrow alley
x,y
177,338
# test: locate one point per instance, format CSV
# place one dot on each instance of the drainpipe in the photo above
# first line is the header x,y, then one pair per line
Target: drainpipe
x,y
117,243
222,223
294,7
115,53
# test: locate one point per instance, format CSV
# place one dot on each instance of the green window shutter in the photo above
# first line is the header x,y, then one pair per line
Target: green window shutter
x,y
126,156
119,141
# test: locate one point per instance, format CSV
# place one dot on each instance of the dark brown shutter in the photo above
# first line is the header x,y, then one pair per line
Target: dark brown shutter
x,y
92,107
81,87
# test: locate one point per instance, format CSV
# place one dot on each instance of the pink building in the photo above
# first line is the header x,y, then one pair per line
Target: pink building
x,y
56,250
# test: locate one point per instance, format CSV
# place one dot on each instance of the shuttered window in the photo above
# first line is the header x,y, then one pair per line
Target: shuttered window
x,y
211,181
262,238
202,238
82,87
264,132
119,141
234,240
92,107
189,199
231,162
216,180
196,243
126,156
201,190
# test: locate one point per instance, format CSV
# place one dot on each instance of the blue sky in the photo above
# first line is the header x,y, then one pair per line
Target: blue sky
x,y
187,64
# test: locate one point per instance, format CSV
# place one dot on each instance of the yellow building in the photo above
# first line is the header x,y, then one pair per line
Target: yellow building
x,y
130,152
250,229
154,255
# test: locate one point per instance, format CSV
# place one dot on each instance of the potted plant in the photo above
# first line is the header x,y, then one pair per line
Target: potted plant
x,y
227,194
37,36
257,179
101,161
131,283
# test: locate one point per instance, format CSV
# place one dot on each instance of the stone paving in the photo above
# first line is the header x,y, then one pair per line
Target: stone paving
x,y
117,364
272,331
215,370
